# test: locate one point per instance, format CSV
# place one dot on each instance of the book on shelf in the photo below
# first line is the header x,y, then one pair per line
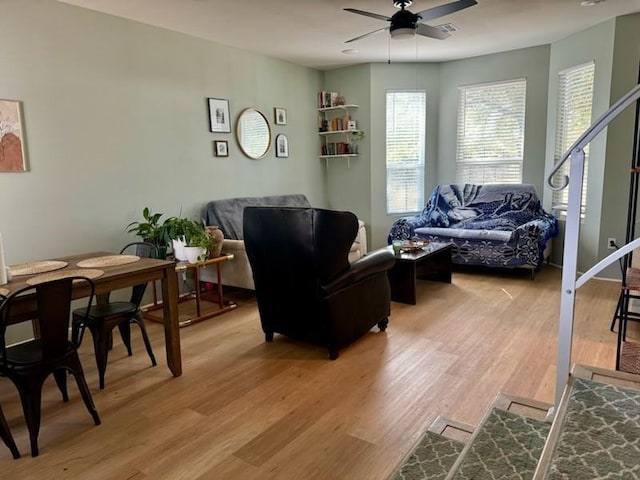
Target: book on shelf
x,y
329,99
339,148
337,124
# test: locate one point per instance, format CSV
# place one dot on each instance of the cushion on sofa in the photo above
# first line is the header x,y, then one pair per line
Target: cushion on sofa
x,y
499,235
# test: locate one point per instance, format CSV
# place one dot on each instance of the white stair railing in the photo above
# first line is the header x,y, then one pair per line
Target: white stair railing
x,y
575,155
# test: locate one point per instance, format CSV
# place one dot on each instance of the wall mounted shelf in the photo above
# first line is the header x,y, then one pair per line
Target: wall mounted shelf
x,y
337,118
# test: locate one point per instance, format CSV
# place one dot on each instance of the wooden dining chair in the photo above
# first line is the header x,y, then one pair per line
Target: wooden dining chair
x,y
104,317
30,363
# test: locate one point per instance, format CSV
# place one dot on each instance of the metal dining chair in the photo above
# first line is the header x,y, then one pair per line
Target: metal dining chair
x,y
6,436
30,363
103,318
5,432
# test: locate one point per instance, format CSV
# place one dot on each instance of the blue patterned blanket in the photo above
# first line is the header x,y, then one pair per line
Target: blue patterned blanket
x,y
494,224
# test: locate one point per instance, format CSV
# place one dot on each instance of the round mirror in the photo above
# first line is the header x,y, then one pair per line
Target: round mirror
x,y
253,133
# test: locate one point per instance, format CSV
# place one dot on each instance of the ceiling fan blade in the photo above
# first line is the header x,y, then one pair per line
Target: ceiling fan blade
x,y
367,34
446,9
367,14
429,31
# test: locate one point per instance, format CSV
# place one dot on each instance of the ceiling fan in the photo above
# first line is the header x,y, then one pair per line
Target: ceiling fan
x,y
404,22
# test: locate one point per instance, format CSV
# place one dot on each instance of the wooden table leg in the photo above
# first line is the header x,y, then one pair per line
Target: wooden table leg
x,y
402,280
170,316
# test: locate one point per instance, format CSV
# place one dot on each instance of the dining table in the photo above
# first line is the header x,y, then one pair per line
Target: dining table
x,y
109,278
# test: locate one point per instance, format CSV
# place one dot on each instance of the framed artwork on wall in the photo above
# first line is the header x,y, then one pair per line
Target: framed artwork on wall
x,y
219,120
12,152
282,146
280,116
221,148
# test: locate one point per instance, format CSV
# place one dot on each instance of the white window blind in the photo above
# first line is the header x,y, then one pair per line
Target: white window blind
x,y
490,145
406,113
575,103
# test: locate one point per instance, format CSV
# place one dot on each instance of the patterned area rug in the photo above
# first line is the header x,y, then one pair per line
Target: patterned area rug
x,y
507,446
600,436
431,460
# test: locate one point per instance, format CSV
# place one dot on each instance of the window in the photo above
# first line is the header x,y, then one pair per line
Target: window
x,y
406,114
575,102
491,132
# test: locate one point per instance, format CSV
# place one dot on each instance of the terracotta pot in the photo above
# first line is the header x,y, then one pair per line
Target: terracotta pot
x,y
214,232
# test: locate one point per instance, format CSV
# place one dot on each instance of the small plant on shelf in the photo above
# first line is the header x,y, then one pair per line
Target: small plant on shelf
x,y
357,135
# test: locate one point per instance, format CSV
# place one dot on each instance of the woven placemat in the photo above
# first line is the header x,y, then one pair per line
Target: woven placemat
x,y
85,272
4,292
31,268
108,261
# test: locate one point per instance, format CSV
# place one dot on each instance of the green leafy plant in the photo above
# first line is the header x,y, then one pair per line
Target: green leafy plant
x,y
191,231
176,227
151,230
357,135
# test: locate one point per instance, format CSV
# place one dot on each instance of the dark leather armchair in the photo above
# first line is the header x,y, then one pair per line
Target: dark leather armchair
x,y
305,286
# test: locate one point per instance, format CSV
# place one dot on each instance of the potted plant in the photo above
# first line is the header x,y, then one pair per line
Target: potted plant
x,y
151,231
190,240
198,246
176,229
198,243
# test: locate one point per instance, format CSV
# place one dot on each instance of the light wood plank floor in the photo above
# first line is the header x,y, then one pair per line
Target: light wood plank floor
x,y
245,409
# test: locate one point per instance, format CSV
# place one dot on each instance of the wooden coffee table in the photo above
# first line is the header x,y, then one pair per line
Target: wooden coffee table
x,y
433,262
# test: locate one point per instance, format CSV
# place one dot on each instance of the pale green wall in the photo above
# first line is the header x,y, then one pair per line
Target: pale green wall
x,y
530,63
624,76
594,44
115,118
362,186
348,184
405,76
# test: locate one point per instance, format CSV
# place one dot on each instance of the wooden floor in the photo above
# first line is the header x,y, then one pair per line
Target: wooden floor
x,y
246,410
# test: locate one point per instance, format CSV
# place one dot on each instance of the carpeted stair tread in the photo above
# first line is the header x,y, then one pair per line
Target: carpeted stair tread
x,y
431,460
506,446
600,434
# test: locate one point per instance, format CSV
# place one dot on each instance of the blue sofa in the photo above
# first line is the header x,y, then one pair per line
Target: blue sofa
x,y
497,225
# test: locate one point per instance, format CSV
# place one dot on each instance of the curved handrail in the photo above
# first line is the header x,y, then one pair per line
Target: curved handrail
x,y
596,127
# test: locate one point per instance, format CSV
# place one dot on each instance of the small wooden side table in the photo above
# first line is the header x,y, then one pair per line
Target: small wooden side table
x,y
221,306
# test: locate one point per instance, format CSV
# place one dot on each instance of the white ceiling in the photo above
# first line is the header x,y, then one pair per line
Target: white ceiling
x,y
312,32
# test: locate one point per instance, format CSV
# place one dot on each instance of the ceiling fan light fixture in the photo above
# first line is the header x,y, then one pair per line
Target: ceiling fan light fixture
x,y
402,3
591,3
400,33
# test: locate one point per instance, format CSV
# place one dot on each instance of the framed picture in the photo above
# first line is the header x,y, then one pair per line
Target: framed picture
x,y
219,119
282,146
280,116
12,153
221,148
